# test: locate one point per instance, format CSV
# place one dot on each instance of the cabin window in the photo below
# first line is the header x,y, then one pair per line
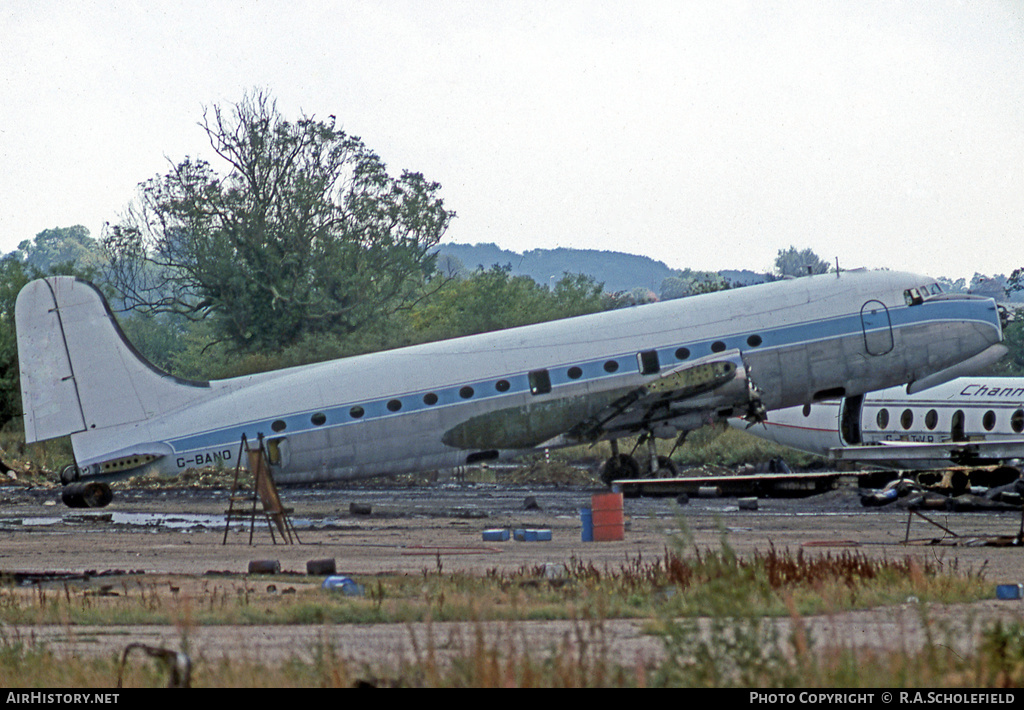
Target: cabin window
x,y
430,399
574,373
356,412
989,420
807,410
278,425
1017,421
466,392
394,405
682,353
717,346
754,340
500,385
648,362
931,419
907,419
882,418
318,419
611,366
540,382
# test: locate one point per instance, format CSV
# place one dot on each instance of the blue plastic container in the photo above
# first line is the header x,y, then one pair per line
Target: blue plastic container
x,y
1009,591
496,535
344,585
587,520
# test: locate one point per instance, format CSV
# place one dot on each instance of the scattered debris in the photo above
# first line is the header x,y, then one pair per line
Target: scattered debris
x,y
957,497
321,567
344,585
264,567
359,508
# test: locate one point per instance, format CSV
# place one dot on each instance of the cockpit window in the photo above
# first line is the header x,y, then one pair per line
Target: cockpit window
x,y
913,297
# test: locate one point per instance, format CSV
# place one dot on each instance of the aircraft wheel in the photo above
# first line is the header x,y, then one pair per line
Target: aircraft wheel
x,y
620,466
666,468
69,474
92,494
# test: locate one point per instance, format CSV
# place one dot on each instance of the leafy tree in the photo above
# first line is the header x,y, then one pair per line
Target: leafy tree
x,y
61,250
793,262
690,283
306,233
493,299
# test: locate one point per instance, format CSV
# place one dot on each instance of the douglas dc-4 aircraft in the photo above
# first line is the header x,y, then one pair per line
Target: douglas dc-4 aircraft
x,y
970,421
657,370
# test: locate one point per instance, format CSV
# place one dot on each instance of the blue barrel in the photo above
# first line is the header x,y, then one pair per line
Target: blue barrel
x,y
587,519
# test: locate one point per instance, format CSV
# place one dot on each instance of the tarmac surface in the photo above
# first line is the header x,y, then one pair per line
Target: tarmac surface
x,y
176,537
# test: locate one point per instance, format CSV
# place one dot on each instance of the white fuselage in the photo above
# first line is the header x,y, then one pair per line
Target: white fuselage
x,y
905,428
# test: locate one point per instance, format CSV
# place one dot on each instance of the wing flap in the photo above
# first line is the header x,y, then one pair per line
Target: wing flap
x,y
684,397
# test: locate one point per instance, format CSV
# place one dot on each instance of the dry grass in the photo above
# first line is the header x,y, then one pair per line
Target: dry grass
x,y
680,594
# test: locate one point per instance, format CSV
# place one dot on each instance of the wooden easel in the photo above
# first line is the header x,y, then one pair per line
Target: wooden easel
x,y
262,500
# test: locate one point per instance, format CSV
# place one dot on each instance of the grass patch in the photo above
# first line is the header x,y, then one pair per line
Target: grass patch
x,y
702,583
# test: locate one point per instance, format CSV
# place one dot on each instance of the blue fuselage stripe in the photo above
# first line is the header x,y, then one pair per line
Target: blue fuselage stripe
x,y
777,338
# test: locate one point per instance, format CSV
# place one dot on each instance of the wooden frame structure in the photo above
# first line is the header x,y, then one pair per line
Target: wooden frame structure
x,y
263,499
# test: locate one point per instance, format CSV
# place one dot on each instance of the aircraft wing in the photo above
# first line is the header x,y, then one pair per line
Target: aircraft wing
x,y
959,452
680,398
677,399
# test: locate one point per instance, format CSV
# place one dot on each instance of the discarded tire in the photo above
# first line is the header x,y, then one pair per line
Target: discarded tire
x,y
92,494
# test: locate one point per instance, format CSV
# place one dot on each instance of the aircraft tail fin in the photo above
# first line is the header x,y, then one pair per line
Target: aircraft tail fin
x,y
78,371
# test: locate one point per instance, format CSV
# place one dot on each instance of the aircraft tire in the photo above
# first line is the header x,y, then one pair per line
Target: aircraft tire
x,y
69,474
621,466
91,494
666,468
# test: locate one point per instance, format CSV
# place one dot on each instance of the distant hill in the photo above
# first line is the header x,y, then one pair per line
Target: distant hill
x,y
616,270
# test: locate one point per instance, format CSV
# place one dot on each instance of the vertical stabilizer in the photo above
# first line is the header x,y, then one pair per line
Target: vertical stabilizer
x,y
78,371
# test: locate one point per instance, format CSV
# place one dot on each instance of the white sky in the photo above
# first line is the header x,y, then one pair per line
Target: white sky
x,y
707,135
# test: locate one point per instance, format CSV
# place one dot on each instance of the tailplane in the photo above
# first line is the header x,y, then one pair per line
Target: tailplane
x,y
78,371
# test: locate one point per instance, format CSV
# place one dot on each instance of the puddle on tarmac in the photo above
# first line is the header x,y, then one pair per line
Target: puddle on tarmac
x,y
170,521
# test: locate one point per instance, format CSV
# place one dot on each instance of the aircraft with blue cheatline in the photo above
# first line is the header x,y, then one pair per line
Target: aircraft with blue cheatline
x,y
654,372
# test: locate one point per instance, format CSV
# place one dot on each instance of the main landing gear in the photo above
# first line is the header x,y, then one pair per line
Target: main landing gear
x,y
652,465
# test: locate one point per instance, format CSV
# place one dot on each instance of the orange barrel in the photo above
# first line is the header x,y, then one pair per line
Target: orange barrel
x,y
606,513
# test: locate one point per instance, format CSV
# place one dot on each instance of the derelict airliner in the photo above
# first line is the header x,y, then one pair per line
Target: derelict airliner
x,y
969,421
655,371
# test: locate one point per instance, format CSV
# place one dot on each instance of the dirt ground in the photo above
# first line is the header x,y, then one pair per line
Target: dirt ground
x,y
175,537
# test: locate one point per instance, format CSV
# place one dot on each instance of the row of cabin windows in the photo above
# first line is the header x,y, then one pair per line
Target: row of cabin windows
x,y
931,419
648,363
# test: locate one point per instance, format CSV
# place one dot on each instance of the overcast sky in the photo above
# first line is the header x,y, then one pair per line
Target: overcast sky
x,y
707,135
